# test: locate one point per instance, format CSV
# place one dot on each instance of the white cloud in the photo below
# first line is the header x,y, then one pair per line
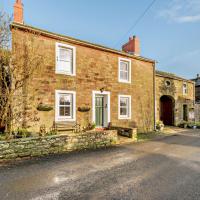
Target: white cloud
x,y
182,11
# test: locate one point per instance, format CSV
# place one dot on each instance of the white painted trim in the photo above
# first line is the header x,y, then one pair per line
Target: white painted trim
x,y
74,59
64,119
130,71
129,112
185,93
93,104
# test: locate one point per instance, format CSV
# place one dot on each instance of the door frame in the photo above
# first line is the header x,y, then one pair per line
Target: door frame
x,y
105,93
173,108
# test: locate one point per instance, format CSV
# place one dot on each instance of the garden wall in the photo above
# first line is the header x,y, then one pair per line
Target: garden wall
x,y
39,146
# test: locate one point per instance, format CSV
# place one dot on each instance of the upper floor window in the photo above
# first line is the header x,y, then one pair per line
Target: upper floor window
x,y
65,105
124,70
124,107
65,59
185,88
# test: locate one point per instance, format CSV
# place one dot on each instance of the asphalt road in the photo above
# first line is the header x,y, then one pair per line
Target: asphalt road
x,y
162,169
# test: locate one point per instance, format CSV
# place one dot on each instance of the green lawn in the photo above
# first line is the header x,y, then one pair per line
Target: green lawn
x,y
148,136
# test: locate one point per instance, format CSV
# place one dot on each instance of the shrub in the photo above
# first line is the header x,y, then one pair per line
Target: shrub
x,y
22,133
191,124
52,132
197,125
183,124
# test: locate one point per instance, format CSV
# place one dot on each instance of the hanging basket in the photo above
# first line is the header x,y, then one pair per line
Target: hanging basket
x,y
43,107
83,109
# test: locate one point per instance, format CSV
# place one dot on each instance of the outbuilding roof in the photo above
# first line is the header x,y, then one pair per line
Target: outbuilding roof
x,y
172,76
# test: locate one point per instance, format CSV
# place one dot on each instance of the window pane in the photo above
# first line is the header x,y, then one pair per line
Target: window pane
x,y
123,111
65,59
65,54
124,66
124,106
67,111
124,70
61,111
65,99
124,75
123,101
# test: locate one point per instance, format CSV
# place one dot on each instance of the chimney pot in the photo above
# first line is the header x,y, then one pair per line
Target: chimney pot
x,y
19,12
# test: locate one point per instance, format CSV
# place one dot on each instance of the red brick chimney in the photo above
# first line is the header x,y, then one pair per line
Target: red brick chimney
x,y
19,12
132,46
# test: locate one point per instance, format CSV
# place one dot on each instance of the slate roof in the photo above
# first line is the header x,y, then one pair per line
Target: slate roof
x,y
172,76
197,81
74,40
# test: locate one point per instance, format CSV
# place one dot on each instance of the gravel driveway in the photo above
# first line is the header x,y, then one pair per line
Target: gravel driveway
x,y
168,168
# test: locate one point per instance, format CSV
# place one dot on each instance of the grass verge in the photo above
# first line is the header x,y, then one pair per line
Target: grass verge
x,y
149,136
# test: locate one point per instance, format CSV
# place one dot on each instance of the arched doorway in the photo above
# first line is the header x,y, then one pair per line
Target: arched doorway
x,y
167,110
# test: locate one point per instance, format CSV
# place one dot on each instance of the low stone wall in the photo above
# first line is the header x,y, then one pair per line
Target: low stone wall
x,y
39,146
126,131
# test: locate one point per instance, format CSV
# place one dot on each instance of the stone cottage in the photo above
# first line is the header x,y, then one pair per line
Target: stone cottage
x,y
175,99
88,83
197,97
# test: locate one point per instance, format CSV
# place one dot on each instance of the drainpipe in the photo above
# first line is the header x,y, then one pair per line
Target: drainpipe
x,y
154,93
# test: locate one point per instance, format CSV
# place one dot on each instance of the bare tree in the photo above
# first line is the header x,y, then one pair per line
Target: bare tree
x,y
17,68
146,114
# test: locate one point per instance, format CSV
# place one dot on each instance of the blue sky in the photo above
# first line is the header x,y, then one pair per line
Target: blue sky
x,y
169,32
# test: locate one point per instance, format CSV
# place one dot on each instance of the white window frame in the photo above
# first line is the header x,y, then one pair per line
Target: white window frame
x,y
74,59
129,72
129,107
185,90
59,118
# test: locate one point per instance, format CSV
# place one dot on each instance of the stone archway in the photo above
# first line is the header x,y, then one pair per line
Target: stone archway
x,y
167,110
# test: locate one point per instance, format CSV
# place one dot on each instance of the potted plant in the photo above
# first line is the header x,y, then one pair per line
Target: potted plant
x,y
191,125
159,126
183,124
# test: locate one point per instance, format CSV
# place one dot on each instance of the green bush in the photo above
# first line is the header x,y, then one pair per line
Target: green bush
x,y
22,133
191,124
198,125
52,132
2,136
183,124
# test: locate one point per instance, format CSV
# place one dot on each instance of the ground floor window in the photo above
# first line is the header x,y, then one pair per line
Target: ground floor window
x,y
124,107
65,105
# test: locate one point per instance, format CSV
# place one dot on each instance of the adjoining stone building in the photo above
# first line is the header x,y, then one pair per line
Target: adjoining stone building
x,y
197,97
175,100
88,83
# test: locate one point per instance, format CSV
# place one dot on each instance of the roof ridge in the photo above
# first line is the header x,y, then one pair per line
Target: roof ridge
x,y
23,26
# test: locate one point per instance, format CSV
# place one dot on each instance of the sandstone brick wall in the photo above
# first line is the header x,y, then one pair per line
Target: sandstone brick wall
x,y
197,112
38,146
176,92
95,69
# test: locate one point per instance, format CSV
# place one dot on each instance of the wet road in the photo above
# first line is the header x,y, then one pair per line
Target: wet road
x,y
167,168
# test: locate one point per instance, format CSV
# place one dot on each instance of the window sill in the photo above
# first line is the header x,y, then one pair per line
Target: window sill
x,y
64,120
121,117
65,73
122,81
